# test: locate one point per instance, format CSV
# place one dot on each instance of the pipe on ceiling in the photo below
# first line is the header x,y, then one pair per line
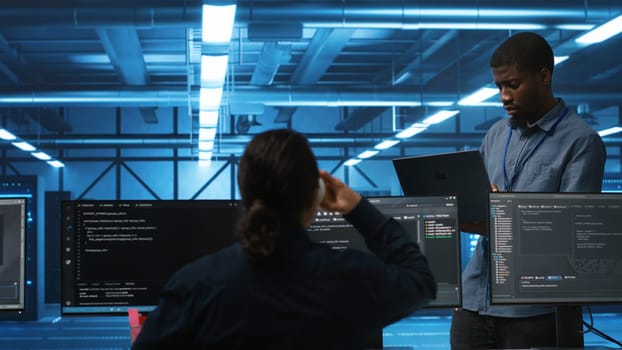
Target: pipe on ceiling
x,y
132,97
299,96
400,12
183,141
33,13
377,95
392,13
236,143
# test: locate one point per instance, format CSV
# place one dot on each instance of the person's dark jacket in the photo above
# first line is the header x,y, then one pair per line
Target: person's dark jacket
x,y
306,296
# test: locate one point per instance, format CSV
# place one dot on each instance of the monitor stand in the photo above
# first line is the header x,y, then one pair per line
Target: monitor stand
x,y
569,326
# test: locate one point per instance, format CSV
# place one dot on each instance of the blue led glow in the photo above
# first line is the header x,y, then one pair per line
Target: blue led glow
x,y
13,195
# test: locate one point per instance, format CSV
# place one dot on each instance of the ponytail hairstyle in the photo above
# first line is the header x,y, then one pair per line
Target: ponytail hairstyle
x,y
277,177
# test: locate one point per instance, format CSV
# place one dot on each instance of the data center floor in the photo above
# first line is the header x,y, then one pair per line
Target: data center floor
x,y
112,332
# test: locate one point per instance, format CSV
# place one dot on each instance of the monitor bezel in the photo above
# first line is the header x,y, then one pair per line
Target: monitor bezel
x,y
23,251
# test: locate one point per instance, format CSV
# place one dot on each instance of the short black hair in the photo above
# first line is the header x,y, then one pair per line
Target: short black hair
x,y
529,51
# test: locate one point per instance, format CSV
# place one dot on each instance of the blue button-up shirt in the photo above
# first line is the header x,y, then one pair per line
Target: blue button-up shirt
x,y
570,158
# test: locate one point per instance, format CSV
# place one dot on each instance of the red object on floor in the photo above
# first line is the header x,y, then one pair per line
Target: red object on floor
x,y
136,322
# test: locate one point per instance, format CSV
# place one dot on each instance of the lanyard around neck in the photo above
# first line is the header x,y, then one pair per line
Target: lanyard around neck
x,y
521,163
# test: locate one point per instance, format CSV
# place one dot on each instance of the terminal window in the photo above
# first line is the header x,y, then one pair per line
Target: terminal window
x,y
431,221
555,248
119,254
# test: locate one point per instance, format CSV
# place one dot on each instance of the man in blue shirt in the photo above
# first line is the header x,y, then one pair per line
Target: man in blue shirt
x,y
543,147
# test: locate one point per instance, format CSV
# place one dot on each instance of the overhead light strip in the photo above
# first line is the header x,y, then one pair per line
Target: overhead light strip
x,y
439,117
386,144
479,96
217,29
218,24
602,32
29,148
412,130
610,131
559,59
213,70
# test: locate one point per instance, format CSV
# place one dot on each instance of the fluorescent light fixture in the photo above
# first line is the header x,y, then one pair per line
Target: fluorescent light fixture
x,y
24,146
402,78
5,135
206,146
582,26
218,23
439,103
478,96
386,144
367,154
411,131
56,163
208,119
209,98
610,131
601,33
207,134
352,162
41,155
439,117
205,158
560,59
213,70
205,155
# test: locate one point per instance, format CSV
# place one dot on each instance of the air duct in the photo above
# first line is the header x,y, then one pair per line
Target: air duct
x,y
130,97
182,141
270,59
398,13
391,13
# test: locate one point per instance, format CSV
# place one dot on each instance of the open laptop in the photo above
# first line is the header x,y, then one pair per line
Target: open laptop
x,y
462,174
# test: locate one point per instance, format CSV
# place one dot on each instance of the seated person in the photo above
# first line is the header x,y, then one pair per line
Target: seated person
x,y
275,289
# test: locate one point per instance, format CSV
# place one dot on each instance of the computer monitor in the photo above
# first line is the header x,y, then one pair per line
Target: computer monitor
x,y
555,248
432,221
13,216
119,254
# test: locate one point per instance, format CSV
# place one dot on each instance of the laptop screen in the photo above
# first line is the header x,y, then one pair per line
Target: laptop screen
x,y
431,221
555,248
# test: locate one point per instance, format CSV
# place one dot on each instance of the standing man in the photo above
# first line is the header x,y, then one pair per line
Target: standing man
x,y
543,147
